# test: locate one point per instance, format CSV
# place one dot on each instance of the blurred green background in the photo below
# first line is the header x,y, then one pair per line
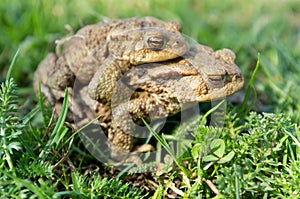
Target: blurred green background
x,y
247,27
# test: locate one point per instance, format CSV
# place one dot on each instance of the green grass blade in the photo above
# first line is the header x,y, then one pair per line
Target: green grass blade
x,y
30,115
163,142
203,120
237,188
41,104
250,85
8,75
297,142
62,115
59,131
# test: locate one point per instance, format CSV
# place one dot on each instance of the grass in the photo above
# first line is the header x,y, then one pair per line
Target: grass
x,y
255,154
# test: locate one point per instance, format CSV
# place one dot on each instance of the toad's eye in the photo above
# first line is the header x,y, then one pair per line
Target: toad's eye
x,y
156,42
216,81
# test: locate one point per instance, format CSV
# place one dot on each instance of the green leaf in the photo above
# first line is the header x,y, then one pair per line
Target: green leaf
x,y
227,157
196,150
207,166
210,158
16,181
218,147
158,193
76,181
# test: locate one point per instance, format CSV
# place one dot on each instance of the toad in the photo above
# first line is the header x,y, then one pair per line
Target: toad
x,y
158,90
107,45
120,71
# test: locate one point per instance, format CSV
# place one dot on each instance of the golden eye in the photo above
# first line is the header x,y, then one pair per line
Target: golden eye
x,y
156,42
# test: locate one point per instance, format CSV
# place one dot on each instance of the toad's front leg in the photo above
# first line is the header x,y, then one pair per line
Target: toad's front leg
x,y
126,120
105,80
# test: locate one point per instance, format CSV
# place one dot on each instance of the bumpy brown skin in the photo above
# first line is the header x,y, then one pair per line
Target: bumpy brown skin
x,y
103,55
160,89
133,40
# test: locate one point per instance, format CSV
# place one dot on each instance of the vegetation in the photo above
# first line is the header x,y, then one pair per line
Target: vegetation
x,y
256,154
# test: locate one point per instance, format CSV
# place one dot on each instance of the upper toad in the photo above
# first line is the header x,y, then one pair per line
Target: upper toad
x,y
106,45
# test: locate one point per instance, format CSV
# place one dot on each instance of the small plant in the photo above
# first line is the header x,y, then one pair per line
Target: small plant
x,y
265,153
217,148
10,124
97,187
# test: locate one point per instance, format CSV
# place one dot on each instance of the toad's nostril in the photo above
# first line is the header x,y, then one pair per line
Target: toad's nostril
x,y
237,76
177,44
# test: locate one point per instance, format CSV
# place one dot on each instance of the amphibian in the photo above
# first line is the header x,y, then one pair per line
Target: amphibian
x,y
157,90
106,46
125,70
